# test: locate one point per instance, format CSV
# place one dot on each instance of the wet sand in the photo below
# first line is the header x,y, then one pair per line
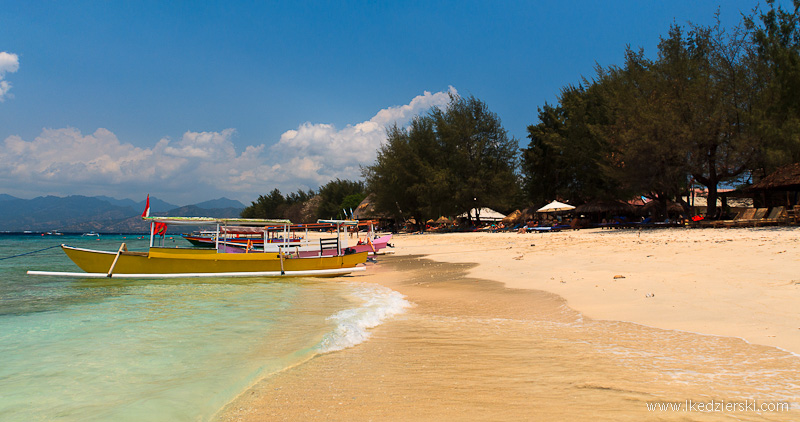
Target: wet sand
x,y
474,349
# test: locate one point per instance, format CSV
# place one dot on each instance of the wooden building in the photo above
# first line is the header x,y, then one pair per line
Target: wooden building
x,y
779,189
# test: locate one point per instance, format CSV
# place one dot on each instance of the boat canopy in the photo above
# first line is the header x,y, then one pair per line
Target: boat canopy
x,y
361,223
194,221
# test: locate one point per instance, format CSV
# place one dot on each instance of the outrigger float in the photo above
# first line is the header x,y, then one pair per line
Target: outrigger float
x,y
163,262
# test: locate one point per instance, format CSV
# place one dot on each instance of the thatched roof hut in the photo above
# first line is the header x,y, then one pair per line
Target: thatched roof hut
x,y
657,207
512,218
442,220
785,177
780,188
366,209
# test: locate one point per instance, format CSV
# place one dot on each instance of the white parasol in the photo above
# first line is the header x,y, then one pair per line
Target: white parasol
x,y
555,206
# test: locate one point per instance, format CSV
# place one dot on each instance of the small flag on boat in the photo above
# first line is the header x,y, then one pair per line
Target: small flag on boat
x,y
146,212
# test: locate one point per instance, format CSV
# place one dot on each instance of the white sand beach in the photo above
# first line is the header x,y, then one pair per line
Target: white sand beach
x,y
741,282
574,325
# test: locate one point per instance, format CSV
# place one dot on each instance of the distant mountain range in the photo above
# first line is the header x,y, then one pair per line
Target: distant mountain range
x,y
99,213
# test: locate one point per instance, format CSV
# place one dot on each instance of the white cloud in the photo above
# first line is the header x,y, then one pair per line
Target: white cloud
x,y
201,165
9,63
340,152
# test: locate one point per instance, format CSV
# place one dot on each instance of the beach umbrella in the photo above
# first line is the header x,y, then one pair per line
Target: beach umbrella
x,y
555,206
486,214
443,220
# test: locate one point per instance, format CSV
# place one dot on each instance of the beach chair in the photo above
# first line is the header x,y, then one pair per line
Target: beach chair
x,y
760,218
748,214
751,217
776,216
742,219
728,223
542,229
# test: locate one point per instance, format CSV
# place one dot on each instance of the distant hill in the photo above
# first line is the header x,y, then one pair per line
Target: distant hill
x,y
101,214
220,203
156,205
197,211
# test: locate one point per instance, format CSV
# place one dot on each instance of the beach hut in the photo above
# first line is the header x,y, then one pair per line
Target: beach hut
x,y
442,220
366,210
780,188
656,209
512,218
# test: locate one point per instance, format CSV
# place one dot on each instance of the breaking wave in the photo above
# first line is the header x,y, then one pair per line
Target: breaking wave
x,y
352,325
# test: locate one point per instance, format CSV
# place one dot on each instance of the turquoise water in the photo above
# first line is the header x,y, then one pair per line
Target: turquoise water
x,y
79,349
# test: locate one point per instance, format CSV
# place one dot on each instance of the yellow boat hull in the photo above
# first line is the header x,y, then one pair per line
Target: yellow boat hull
x,y
180,261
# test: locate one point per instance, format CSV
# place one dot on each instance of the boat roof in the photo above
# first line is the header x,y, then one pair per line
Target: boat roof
x,y
195,221
260,229
348,222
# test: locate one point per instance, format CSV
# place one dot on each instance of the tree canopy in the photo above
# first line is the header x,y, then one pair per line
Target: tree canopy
x,y
715,107
309,206
445,162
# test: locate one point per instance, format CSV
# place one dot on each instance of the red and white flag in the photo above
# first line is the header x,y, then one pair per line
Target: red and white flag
x,y
146,212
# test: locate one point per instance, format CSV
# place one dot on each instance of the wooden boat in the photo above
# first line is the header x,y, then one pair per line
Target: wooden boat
x,y
163,262
293,239
244,236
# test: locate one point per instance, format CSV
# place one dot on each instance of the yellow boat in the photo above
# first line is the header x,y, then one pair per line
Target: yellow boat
x,y
162,262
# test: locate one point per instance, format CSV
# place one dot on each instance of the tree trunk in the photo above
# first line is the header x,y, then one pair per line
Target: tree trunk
x,y
712,200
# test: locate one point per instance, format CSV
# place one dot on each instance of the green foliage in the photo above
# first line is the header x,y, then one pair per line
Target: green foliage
x,y
275,205
333,196
566,155
643,134
266,206
351,202
715,106
445,163
776,38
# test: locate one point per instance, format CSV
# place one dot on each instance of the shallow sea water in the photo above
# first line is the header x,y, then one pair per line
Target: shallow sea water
x,y
84,349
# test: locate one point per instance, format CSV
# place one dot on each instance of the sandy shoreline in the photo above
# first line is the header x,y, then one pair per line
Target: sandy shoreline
x,y
733,282
486,341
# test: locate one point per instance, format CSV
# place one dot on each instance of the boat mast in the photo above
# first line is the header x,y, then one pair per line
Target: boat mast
x,y
152,232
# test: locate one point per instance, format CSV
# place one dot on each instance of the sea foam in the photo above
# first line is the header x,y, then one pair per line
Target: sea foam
x,y
352,325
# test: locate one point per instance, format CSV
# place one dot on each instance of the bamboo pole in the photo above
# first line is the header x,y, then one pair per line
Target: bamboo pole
x,y
114,264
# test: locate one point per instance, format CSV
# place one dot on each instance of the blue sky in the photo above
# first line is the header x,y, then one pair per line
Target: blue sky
x,y
190,101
